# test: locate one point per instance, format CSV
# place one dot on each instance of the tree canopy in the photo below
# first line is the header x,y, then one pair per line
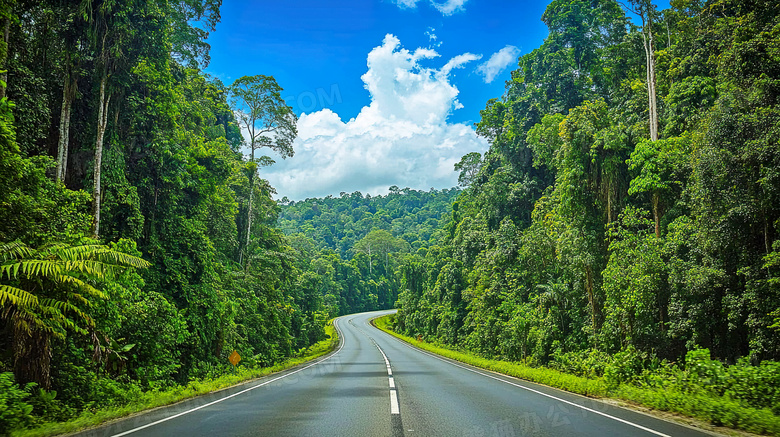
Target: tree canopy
x,y
628,199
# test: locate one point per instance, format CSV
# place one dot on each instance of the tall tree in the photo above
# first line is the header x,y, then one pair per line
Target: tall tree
x,y
657,164
119,35
5,14
188,42
73,44
268,121
108,32
469,168
646,11
105,38
379,242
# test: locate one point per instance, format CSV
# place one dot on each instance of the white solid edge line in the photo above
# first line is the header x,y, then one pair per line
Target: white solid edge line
x,y
652,431
394,403
392,382
148,425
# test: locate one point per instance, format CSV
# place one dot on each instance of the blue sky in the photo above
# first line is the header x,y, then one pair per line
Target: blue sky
x,y
387,90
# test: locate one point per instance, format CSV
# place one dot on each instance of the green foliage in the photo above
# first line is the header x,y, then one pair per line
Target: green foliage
x,y
33,208
468,167
635,286
15,411
263,112
338,223
585,246
352,246
178,199
53,275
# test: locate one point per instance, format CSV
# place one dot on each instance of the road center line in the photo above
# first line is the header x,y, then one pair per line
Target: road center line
x,y
394,409
148,425
652,431
394,402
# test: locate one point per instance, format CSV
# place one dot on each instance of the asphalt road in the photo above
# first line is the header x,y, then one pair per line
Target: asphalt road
x,y
376,385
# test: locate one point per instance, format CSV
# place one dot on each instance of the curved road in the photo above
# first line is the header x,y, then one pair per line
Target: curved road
x,y
376,385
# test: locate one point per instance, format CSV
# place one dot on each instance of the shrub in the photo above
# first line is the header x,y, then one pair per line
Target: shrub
x,y
588,363
15,412
759,386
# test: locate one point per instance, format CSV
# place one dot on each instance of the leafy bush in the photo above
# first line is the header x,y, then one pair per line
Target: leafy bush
x,y
756,386
627,366
107,392
15,412
589,363
759,386
47,408
703,371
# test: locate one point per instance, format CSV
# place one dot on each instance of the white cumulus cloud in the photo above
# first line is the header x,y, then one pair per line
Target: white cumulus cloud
x,y
401,138
498,62
448,7
406,3
458,62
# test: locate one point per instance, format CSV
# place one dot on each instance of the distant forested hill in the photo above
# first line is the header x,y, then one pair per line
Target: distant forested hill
x,y
338,223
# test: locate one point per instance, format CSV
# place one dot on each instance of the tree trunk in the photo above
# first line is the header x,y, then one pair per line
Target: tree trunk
x,y
251,197
609,202
370,264
4,76
101,131
249,210
591,296
657,214
647,39
767,230
652,82
68,94
32,354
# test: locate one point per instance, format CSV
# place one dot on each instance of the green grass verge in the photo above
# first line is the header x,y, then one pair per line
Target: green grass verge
x,y
155,399
718,411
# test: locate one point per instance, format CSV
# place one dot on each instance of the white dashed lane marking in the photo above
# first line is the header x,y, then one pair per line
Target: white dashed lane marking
x,y
394,409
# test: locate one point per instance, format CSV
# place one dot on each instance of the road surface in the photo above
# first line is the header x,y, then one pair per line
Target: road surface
x,y
376,385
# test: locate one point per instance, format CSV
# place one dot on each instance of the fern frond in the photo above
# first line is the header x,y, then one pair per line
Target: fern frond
x,y
80,299
17,296
63,307
63,271
26,320
81,285
94,269
38,267
14,250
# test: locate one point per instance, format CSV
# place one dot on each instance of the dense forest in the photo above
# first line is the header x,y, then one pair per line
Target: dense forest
x,y
138,246
337,223
356,243
629,202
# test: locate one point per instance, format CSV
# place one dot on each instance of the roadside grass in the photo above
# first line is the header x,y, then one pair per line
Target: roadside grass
x,y
716,410
155,399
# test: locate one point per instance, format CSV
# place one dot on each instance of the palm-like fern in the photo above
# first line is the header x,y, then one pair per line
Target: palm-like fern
x,y
44,292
